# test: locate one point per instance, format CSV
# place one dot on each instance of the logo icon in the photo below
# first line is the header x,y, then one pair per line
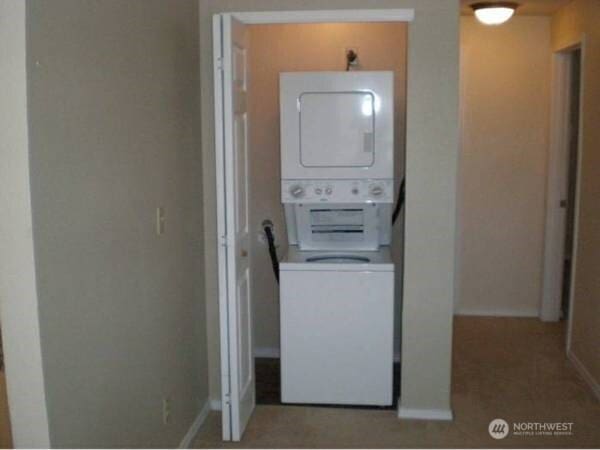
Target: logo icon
x,y
498,428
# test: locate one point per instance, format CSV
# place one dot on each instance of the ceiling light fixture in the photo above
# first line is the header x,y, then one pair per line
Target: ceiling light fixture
x,y
494,13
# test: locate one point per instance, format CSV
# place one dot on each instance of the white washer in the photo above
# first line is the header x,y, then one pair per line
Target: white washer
x,y
337,327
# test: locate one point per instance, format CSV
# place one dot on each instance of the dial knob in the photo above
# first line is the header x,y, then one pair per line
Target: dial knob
x,y
297,191
329,190
318,191
376,191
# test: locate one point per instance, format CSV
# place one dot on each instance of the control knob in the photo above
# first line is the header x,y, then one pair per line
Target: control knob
x,y
376,190
297,191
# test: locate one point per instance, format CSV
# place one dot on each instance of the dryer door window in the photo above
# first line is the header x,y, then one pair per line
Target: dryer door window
x,y
337,129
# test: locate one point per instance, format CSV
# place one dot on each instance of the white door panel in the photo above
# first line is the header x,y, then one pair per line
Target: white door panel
x,y
238,394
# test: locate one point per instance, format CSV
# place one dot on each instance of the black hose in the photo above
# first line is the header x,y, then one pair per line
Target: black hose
x,y
272,250
399,202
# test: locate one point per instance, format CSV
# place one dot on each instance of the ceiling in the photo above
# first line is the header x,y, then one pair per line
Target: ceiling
x,y
526,8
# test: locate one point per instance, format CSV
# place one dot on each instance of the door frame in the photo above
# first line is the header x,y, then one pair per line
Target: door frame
x,y
224,207
555,227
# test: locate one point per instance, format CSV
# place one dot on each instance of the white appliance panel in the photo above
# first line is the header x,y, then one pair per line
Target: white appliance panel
x,y
337,336
338,226
337,125
337,191
346,141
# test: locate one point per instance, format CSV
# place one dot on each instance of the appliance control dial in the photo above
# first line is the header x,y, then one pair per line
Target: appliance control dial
x,y
355,191
318,191
376,190
297,191
329,190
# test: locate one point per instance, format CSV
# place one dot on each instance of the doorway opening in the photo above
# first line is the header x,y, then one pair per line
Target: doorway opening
x,y
572,161
320,47
562,190
251,51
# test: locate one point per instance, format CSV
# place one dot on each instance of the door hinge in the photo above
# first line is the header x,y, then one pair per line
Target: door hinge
x,y
224,240
220,63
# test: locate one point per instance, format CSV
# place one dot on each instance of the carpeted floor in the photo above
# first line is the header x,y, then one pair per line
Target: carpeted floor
x,y
515,369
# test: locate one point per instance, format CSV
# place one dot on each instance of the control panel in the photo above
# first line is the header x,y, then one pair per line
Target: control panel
x,y
337,191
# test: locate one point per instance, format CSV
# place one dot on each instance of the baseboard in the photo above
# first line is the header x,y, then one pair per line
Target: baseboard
x,y
495,313
273,352
585,374
215,405
195,427
425,414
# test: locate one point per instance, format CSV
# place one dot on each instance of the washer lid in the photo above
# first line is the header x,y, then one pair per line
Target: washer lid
x,y
359,261
338,259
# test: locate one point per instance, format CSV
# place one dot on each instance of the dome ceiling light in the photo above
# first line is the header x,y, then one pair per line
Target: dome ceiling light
x,y
494,13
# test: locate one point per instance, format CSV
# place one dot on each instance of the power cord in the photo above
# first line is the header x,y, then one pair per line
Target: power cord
x,y
399,201
268,229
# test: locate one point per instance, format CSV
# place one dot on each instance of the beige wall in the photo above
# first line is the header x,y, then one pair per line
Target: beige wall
x,y
581,19
431,164
505,101
114,133
305,47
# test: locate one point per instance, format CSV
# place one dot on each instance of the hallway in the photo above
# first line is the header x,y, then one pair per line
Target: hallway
x,y
515,369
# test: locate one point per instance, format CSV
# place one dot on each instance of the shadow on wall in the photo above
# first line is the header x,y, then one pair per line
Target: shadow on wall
x,y
5,431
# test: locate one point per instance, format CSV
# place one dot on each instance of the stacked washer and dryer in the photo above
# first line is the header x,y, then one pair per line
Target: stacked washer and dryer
x,y
337,280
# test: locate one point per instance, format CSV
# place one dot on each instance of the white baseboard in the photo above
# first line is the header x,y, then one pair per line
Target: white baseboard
x,y
215,405
585,374
273,352
495,313
195,427
425,414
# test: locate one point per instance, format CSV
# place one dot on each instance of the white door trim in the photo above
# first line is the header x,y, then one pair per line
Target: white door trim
x,y
342,15
19,299
224,210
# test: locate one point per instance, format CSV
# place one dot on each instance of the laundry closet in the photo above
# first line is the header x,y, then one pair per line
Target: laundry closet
x,y
340,50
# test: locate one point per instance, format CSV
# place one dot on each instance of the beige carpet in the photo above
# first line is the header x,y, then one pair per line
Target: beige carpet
x,y
513,369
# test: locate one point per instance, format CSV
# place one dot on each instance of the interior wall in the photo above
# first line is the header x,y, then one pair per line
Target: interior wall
x,y
296,48
576,22
505,104
431,155
18,294
113,113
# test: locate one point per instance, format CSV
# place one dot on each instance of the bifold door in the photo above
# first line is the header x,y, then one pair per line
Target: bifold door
x,y
231,126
